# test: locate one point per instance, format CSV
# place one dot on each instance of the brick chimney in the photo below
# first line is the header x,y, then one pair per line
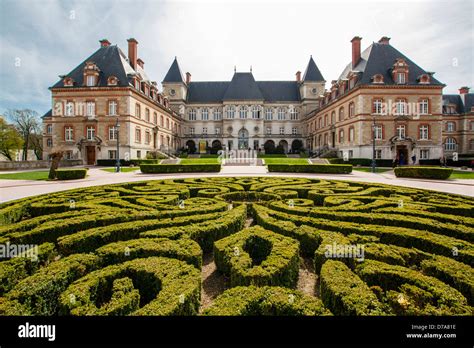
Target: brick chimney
x,y
132,52
188,78
298,76
355,50
104,43
141,63
384,40
464,90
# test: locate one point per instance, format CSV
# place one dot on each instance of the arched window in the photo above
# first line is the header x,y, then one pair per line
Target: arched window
x,y
192,114
231,111
341,136
161,121
268,114
351,134
281,113
351,109
333,117
243,111
205,114
255,111
450,126
450,144
341,114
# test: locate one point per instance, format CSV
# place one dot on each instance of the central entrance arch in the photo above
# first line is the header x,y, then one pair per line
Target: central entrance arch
x,y
243,139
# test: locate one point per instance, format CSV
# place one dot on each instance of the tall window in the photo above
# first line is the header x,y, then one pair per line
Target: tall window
x,y
231,111
325,120
218,130
90,109
138,135
341,114
167,123
162,121
155,118
205,114
281,113
69,109
68,133
112,133
377,106
333,117
49,129
401,78
341,136
378,132
282,130
49,142
90,132
138,112
294,130
450,126
351,134
424,132
401,131
192,115
90,80
400,107
351,109
423,106
243,111
112,108
269,130
217,114
293,114
450,144
255,111
147,115
191,130
147,137
268,114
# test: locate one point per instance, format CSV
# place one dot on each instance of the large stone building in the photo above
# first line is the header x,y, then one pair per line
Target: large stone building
x,y
243,113
381,93
106,88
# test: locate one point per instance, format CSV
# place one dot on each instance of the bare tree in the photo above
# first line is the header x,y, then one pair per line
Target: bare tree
x,y
28,123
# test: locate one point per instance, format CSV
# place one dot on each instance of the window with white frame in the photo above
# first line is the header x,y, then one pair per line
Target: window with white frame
x,y
90,80
68,133
191,130
341,136
204,130
282,130
378,132
49,128
423,106
400,107
424,154
112,133
293,114
401,131
424,132
341,114
269,130
377,106
192,115
205,114
90,132
217,114
450,144
255,111
351,109
268,114
138,135
333,117
218,130
147,115
231,111
378,154
49,142
138,111
294,130
243,111
351,134
401,78
90,108
69,109
147,137
450,126
112,154
112,108
281,113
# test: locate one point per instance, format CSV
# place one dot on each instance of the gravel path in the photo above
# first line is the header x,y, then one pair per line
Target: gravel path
x,y
307,277
213,282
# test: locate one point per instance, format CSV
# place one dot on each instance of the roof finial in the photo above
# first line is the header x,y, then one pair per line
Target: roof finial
x,y
235,68
250,68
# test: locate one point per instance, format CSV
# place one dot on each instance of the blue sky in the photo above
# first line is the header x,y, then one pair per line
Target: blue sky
x,y
41,39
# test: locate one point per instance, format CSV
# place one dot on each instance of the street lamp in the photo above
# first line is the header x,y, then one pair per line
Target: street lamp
x,y
117,126
373,145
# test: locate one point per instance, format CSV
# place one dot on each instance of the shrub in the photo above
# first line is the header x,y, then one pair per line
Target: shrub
x,y
255,256
179,168
71,174
311,168
423,172
166,287
265,300
344,293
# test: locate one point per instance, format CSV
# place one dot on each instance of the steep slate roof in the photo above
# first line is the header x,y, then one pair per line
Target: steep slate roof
x,y
274,91
457,100
48,114
243,87
312,73
174,73
110,60
207,92
379,59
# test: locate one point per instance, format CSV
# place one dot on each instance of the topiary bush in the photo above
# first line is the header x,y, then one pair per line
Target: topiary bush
x,y
71,174
179,168
311,168
423,172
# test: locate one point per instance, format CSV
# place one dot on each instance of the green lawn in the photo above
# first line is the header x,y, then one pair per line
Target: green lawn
x,y
35,175
286,160
122,169
369,169
460,174
199,161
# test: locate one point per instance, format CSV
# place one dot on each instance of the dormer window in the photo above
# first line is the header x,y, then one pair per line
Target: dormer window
x,y
377,78
68,82
401,78
90,81
424,79
112,81
91,74
400,72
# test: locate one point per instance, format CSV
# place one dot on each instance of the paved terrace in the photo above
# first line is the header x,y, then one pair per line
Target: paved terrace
x,y
15,189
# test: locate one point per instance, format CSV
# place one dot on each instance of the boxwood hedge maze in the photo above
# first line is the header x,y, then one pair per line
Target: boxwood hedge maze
x,y
238,246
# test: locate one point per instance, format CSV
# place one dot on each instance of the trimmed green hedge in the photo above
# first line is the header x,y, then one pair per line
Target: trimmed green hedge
x,y
166,287
71,174
179,168
311,168
344,293
267,300
259,257
423,172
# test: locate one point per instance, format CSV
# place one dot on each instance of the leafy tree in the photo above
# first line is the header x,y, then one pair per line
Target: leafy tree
x,y
28,123
10,139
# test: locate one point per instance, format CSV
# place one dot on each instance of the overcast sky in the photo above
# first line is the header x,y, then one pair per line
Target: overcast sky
x,y
41,39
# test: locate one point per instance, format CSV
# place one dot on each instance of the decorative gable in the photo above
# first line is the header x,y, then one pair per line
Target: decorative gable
x,y
68,81
377,78
112,81
400,71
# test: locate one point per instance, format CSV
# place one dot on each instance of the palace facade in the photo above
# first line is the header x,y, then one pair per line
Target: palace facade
x,y
380,94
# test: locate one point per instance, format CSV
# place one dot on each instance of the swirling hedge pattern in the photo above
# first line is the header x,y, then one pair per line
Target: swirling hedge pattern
x,y
137,249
